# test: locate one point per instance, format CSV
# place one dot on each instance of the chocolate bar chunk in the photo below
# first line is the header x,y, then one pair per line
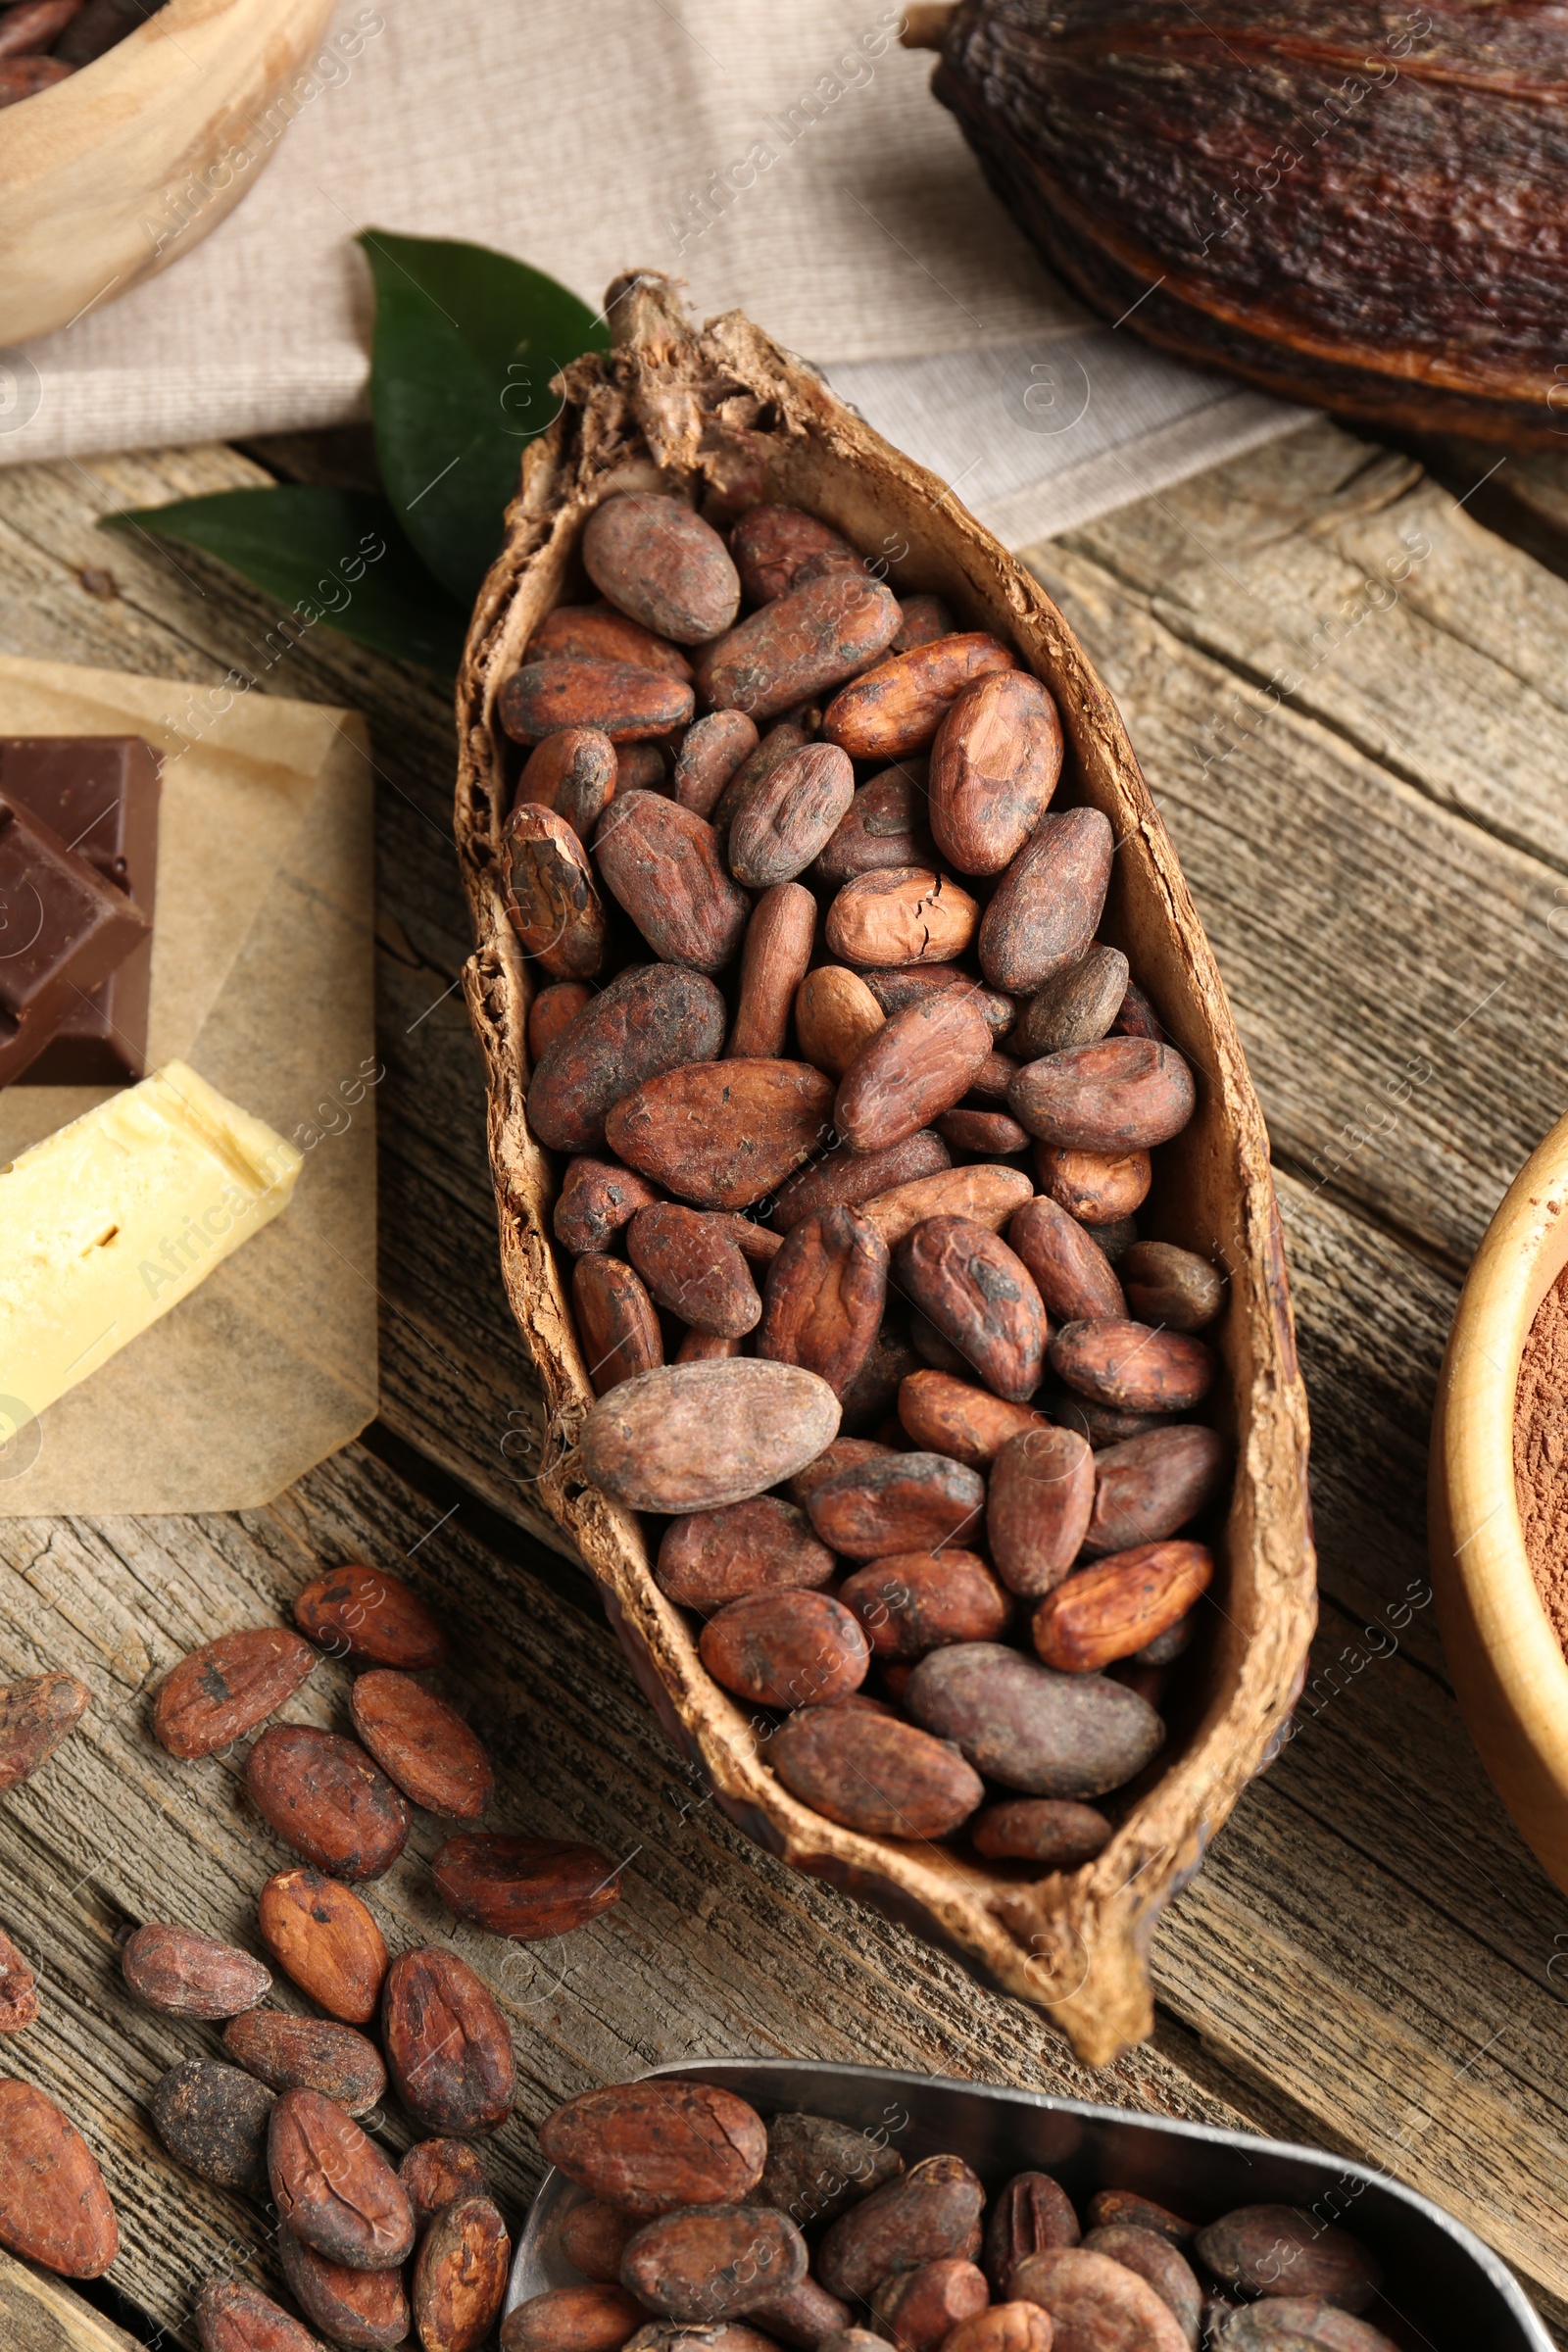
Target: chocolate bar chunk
x,y
62,930
100,793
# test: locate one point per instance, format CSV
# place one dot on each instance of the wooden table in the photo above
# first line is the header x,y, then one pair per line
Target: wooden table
x,y
1371,1959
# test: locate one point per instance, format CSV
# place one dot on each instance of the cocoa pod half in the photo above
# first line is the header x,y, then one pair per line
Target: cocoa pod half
x,y
1148,1488
448,2046
1033,2213
182,1973
915,1065
626,703
1158,2262
981,1297
1124,1095
1076,1280
932,2212
214,2119
917,1600
308,2053
945,1415
555,909
600,634
1037,1505
872,1772
364,2310
1132,1367
334,2188
917,2309
36,1715
369,1617
885,825
54,2207
235,2318
898,916
652,1018
1045,909
846,1179
717,2263
227,1686
617,1326
18,1992
994,764
763,1545
459,2277
574,2319
417,1740
325,1939
656,558
650,2146
896,1503
1283,2250
1031,1728
437,2172
326,1800
1093,2300
817,2168
786,1649
898,708
695,1437
824,1297
723,1134
527,1887
1075,1008
1052,1831
694,1268
802,642
661,863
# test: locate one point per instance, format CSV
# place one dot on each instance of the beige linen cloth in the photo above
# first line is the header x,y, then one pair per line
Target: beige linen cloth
x,y
783,156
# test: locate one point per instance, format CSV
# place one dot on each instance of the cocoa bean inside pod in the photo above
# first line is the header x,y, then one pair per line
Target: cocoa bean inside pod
x,y
1160,2264
616,1322
835,1014
438,2172
459,2277
421,1745
1099,1189
872,1772
54,2207
773,963
692,1267
527,1887
308,2053
650,2146
778,827
598,1199
1148,1488
982,1298
769,544
708,757
1076,1280
925,617
573,2319
1032,2212
448,2046
1052,1830
918,1064
1289,2324
984,1195
326,1939
886,824
36,1715
656,560
896,1503
227,1686
919,2309
1039,1501
235,2318
1045,909
695,1437
994,764
1075,1008
779,743
710,1557
903,914
1030,1728
375,1619
833,1458
802,2315
944,1414
983,1134
723,1134
1108,2205
1283,2250
575,773
916,1600
214,2119
661,862
650,1018
1172,1287
824,1297
364,2310
627,704
802,642
599,633
715,2263
933,2211
818,2167
1093,2300
325,1798
786,1649
555,909
19,1995
893,990
897,707
1004,2328
185,1974
1124,1094
334,2188
1132,1367
847,1179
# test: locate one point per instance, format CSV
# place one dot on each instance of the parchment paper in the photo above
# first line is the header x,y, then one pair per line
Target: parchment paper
x,y
262,979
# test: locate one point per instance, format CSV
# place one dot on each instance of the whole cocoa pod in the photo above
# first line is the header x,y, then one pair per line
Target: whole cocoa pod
x,y
448,2045
459,2277
227,1686
653,2145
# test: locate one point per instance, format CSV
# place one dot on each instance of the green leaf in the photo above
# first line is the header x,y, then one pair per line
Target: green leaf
x,y
466,341
337,556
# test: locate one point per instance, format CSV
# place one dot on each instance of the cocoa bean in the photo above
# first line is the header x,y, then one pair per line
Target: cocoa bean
x,y
852,2339
1004,2328
656,560
1094,2302
650,2146
802,2316
778,826
651,1018
1124,1095
232,2317
769,544
419,1743
991,1080
917,2309
1289,2325
1052,1830
981,1194
551,900
985,1134
773,961
1148,1488
713,2264
325,1939
799,644
459,2277
552,1011
753,1241
786,1649
692,1267
214,2119
1031,2214
901,914
616,1324
308,2053
182,1973
933,1352
695,1437
713,750
1138,1017
369,1617
527,1887
1029,1728
885,825
872,1396
897,707
227,1686
662,864
893,990
872,1772
980,1296
896,1503
448,2046
1163,1649
945,1415
54,2207
641,767
835,1015
1037,1505
19,1993
995,763
1158,2263
779,743
1108,2205
1045,909
1115,1238
576,774
1075,1008
917,1065
36,1715
1132,1367
326,1800
1099,1189
824,1297
1075,1279
1172,1287
599,633
835,1457
598,1199
817,2168
846,1179
364,2310
933,2211
574,2319
437,2172
1283,2250
334,2189
925,618
710,1557
722,1134
913,1601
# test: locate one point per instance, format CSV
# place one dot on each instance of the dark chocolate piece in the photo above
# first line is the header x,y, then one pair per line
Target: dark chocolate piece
x,y
62,930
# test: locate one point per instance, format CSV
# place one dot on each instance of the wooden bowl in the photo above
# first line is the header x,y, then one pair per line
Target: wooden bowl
x,y
728,415
1507,1664
98,171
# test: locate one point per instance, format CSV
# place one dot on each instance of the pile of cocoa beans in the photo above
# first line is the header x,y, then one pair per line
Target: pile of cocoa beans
x,y
854,1110
707,2231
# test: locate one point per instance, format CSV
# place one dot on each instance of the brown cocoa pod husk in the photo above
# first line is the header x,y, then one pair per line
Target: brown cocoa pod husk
x,y
419,1741
835,1015
1099,1189
550,899
818,2167
437,2172
656,560
1037,1505
227,1686
327,1940
1075,1279
943,1414
575,2319
1108,2205
917,1065
448,2046
1075,1008
1054,1832
897,707
770,543
840,1455
529,1888
765,1546
985,1134
779,937
713,2264
651,1018
576,774
231,2317
1132,1366
897,1503
1282,2250
893,990
901,914
1150,1487
846,1179
981,1297
1138,1017
617,1326
711,752
1160,2265
54,2207
661,863
593,2237
1033,2213
1124,1095
459,2277
1288,2324
18,1992
779,743
599,633
798,645
1045,912
1030,1728
552,1011
1092,2300
995,763
1171,1287
649,2146
181,1972
983,1193
723,1134
802,2316
872,1772
913,1601
627,704
931,2212
824,1297
695,1437
308,2053
598,1199
780,825
375,1619
333,2187
213,2119
692,1267
786,1649
917,2309
364,2310
325,1798
1004,2328
36,1715
885,825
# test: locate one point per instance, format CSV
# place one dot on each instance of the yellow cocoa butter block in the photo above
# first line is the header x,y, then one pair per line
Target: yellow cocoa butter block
x,y
112,1220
